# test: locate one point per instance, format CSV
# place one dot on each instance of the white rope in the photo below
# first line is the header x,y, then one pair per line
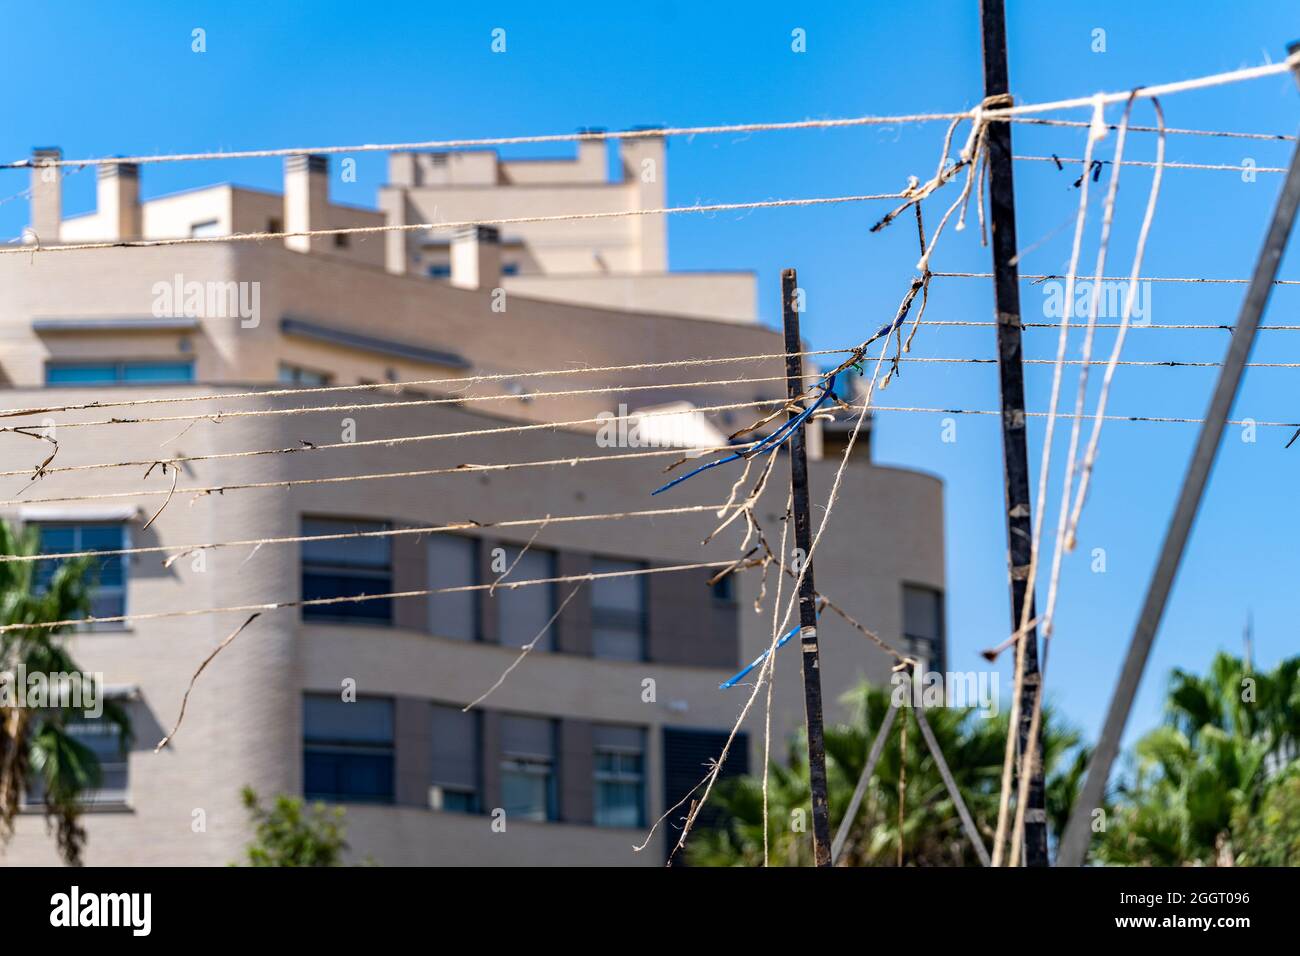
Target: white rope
x,y
1014,113
462,469
374,386
222,414
441,226
368,443
351,599
186,549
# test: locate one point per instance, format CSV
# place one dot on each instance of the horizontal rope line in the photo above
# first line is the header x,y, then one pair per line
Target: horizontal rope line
x,y
1150,92
576,137
32,249
1139,364
1040,278
406,404
372,442
1110,325
183,549
1062,161
1016,113
1172,131
359,598
375,386
1153,419
464,469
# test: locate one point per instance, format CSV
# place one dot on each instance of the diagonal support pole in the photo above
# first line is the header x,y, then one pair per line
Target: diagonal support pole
x,y
1078,832
967,823
810,658
860,791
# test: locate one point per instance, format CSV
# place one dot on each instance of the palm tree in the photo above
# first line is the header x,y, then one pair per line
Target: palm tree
x,y
971,743
1198,777
37,751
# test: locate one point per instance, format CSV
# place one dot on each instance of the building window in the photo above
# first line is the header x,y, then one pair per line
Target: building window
x,y
687,755
297,375
510,269
453,563
347,749
528,768
208,227
923,625
274,225
618,618
116,373
103,738
346,567
107,575
620,776
454,780
341,240
439,270
523,613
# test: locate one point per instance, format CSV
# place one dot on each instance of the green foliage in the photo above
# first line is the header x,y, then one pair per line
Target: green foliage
x,y
35,745
973,746
1271,835
1200,781
291,833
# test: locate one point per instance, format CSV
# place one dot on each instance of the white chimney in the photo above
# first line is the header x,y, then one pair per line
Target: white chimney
x,y
119,200
306,200
476,258
47,196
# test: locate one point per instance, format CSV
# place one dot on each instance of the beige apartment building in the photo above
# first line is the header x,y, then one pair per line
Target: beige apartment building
x,y
614,714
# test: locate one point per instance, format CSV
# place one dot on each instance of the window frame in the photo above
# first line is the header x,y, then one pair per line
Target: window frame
x,y
620,776
330,613
341,746
436,788
617,618
515,763
119,373
122,608
937,645
475,545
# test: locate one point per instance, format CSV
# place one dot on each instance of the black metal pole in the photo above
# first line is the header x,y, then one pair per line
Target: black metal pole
x,y
1011,380
811,662
1078,832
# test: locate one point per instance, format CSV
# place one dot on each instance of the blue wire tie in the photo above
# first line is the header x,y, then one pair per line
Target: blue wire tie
x,y
767,445
735,679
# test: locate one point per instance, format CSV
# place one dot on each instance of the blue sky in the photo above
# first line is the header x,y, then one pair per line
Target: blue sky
x,y
102,79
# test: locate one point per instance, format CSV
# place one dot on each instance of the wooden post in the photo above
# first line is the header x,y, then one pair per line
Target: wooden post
x,y
810,659
1011,380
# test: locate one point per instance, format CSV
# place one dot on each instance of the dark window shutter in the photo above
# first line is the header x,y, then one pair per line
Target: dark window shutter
x,y
688,754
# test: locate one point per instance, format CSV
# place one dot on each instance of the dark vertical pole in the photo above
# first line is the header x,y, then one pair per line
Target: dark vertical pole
x,y
1078,832
1011,380
812,679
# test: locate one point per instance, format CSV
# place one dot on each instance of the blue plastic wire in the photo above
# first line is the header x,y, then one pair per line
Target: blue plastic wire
x,y
735,679
768,444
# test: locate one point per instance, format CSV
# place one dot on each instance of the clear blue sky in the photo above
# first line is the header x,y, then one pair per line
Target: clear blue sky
x,y
101,79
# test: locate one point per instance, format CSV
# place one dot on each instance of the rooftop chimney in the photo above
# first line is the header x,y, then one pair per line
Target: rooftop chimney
x,y
476,258
119,200
47,196
306,200
646,175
